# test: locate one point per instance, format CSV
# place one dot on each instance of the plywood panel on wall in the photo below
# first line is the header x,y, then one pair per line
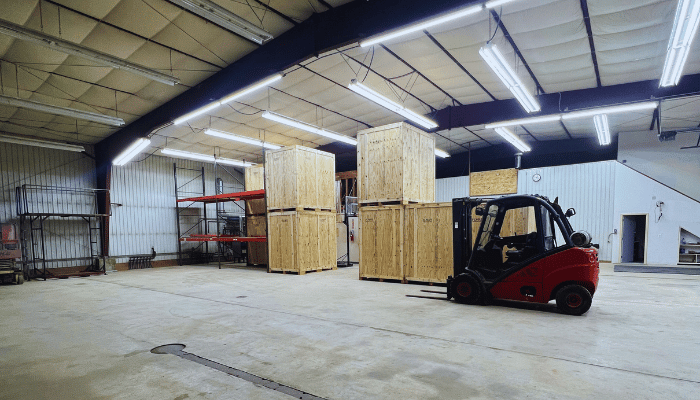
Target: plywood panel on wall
x,y
395,163
298,177
487,183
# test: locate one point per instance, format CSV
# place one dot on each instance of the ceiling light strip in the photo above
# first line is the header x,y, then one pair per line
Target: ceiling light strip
x,y
495,60
41,143
241,139
64,46
524,121
441,153
272,116
64,111
390,105
206,158
496,3
602,129
647,105
460,13
137,147
685,26
512,139
235,95
224,18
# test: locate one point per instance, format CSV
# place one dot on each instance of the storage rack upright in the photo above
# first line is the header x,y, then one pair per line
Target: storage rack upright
x,y
57,206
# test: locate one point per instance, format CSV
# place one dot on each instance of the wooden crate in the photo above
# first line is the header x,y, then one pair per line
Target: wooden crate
x,y
427,248
300,178
254,178
301,241
256,225
487,183
381,242
395,163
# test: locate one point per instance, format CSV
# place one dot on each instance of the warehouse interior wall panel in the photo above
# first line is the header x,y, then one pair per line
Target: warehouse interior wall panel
x,y
638,194
146,191
447,189
589,188
27,165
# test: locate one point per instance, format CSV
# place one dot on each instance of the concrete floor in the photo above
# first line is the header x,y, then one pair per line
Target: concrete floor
x,y
336,337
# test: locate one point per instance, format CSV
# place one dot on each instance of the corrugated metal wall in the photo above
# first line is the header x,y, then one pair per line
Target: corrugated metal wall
x,y
589,188
447,189
146,191
20,165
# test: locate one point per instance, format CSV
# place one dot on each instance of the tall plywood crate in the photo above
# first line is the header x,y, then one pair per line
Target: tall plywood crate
x,y
427,247
381,242
301,241
395,163
254,180
255,216
299,178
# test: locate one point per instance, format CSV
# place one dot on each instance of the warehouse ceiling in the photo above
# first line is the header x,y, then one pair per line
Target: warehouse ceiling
x,y
426,71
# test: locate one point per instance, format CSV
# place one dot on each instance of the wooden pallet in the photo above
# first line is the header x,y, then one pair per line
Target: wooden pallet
x,y
402,202
297,209
382,279
294,272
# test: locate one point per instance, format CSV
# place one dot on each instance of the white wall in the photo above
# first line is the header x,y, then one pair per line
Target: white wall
x,y
447,189
663,161
589,188
146,192
636,193
20,165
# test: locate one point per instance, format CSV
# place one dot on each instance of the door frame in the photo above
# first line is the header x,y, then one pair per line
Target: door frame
x,y
646,235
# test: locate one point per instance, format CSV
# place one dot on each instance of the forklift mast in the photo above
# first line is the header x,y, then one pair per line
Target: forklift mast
x,y
462,211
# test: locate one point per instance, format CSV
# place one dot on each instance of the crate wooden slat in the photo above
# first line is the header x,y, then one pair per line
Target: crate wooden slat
x,y
395,163
427,244
487,183
254,177
256,225
298,177
301,241
381,242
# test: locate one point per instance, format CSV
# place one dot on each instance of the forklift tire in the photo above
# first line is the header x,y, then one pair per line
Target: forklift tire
x,y
466,289
574,300
20,279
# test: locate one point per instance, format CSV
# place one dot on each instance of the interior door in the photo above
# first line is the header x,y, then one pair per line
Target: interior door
x,y
629,227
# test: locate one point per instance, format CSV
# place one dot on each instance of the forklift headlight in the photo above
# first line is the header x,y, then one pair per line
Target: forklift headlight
x,y
581,239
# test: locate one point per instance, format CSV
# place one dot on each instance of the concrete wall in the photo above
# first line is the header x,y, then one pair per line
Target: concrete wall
x,y
663,161
637,194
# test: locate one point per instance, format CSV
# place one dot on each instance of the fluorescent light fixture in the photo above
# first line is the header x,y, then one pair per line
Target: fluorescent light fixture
x,y
225,19
685,25
272,116
131,151
505,73
441,153
602,129
41,143
496,3
241,139
462,12
370,94
204,157
648,105
512,139
240,93
65,111
64,46
524,121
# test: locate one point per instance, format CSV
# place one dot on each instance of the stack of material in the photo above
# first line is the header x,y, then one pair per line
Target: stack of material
x,y
300,190
256,219
404,234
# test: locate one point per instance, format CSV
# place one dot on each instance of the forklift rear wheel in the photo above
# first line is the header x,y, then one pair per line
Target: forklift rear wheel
x,y
20,278
574,300
466,289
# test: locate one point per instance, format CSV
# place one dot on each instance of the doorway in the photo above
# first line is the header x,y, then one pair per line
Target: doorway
x,y
633,239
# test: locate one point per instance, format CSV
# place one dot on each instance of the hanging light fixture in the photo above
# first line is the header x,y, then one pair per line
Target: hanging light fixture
x,y
64,111
391,105
236,95
131,151
241,139
512,139
495,60
272,116
204,157
685,26
602,129
41,143
441,153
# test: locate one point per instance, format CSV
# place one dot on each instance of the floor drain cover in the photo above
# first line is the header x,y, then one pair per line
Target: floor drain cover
x,y
176,349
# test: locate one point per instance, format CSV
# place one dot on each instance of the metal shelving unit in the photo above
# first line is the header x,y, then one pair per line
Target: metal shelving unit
x,y
39,206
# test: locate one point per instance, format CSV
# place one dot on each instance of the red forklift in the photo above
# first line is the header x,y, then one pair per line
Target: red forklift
x,y
546,260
